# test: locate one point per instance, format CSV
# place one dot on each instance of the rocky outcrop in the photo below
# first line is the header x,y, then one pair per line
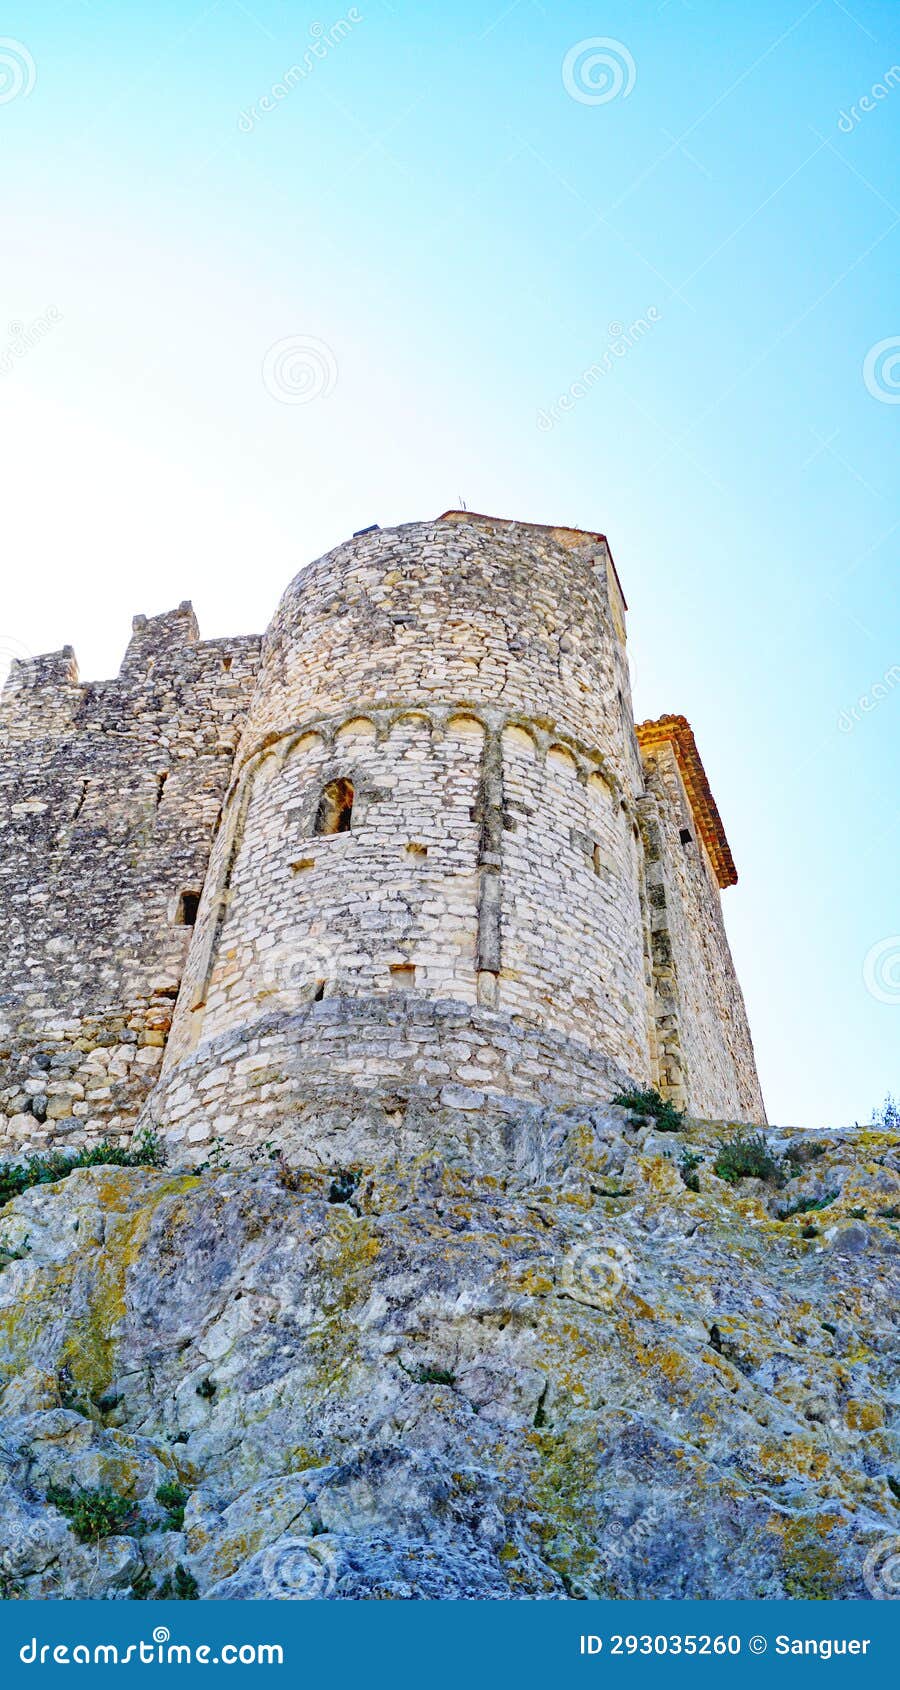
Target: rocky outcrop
x,y
557,1373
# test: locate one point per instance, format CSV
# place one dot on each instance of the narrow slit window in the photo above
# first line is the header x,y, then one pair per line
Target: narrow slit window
x,y
335,810
600,861
188,905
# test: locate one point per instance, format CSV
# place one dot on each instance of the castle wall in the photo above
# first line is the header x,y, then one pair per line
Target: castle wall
x,y
463,609
509,917
466,678
109,798
572,952
339,912
329,1083
705,1053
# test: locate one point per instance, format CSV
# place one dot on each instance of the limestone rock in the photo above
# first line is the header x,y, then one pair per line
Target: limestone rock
x,y
572,1376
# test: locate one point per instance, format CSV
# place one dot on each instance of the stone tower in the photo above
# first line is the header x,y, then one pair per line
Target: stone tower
x,y
448,876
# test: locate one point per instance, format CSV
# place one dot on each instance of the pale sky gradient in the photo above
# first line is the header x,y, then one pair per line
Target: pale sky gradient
x,y
466,238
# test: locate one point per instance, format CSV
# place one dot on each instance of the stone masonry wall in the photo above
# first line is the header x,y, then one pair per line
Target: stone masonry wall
x,y
460,610
511,915
452,672
705,1050
341,1078
109,797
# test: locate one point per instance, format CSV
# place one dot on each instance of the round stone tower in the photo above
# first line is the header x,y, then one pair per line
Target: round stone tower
x,y
425,897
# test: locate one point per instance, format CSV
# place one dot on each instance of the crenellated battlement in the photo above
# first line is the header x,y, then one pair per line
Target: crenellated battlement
x,y
110,793
405,854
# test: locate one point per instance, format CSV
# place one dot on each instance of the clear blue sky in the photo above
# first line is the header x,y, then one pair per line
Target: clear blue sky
x,y
464,235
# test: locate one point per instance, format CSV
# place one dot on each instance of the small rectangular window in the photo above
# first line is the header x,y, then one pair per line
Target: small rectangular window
x,y
686,836
188,905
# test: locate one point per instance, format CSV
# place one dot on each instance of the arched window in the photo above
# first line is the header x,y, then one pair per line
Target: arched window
x,y
335,808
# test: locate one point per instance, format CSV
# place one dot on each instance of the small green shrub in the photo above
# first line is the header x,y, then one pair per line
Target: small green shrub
x,y
688,1164
807,1205
343,1184
429,1375
71,1395
207,1389
172,1498
8,1254
180,1587
16,1177
747,1156
216,1160
660,1109
93,1513
887,1118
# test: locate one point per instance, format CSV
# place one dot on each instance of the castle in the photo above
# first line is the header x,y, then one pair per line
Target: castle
x,y
405,858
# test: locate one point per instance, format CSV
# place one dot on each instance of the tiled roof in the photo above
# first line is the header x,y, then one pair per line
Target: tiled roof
x,y
676,731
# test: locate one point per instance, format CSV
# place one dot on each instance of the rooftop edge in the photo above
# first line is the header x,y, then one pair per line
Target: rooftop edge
x,y
677,732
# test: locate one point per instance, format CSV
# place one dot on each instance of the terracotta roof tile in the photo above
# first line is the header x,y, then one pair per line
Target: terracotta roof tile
x,y
676,731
